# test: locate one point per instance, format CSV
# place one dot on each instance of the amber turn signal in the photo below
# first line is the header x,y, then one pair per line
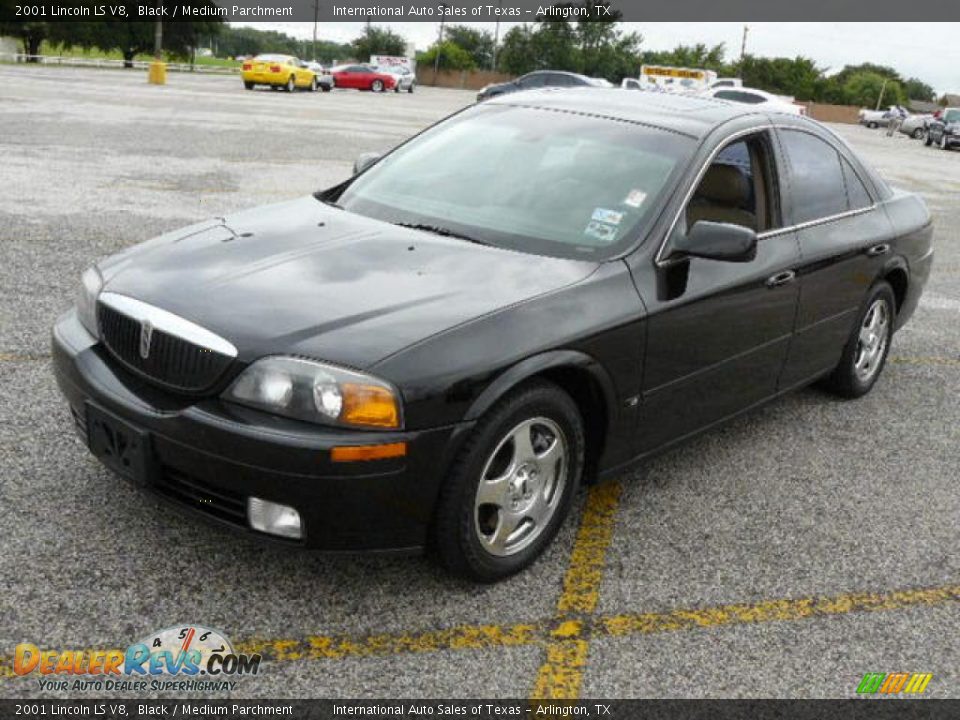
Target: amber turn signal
x,y
353,453
369,405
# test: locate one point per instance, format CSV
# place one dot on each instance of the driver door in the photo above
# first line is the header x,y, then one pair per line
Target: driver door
x,y
718,332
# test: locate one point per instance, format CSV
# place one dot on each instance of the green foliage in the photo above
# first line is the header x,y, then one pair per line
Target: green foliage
x,y
31,34
692,56
452,57
798,77
516,55
864,88
477,43
378,41
916,89
244,41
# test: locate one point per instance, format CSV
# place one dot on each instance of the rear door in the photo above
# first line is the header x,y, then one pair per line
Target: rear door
x,y
844,241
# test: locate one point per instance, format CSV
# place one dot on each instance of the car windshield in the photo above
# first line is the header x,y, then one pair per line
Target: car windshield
x,y
529,179
273,58
951,116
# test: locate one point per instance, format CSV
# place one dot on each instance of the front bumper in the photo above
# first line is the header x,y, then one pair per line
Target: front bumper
x,y
208,457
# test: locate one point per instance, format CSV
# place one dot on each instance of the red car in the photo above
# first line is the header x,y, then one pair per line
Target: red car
x,y
362,77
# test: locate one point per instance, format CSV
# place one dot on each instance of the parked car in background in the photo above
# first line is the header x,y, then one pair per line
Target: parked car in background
x,y
324,78
945,130
539,79
278,71
880,118
405,77
362,77
753,96
915,125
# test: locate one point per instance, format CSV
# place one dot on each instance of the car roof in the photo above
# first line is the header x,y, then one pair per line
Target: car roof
x,y
690,115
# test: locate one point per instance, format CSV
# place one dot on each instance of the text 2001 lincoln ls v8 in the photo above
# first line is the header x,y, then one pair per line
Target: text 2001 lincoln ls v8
x,y
533,293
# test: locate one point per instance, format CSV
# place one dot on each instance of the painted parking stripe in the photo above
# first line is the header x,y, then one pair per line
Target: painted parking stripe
x,y
567,653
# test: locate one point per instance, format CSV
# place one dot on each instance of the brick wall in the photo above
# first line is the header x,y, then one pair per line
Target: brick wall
x,y
833,113
464,79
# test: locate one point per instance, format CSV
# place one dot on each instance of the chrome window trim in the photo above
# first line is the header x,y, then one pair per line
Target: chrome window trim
x,y
167,322
660,261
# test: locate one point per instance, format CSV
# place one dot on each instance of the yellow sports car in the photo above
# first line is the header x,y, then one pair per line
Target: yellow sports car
x,y
278,71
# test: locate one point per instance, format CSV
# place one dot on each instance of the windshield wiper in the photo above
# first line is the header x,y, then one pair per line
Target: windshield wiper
x,y
442,231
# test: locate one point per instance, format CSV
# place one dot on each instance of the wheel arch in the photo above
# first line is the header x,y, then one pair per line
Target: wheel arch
x,y
580,376
895,273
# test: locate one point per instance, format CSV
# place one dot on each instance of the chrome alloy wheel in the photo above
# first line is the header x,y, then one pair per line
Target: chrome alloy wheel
x,y
521,486
872,341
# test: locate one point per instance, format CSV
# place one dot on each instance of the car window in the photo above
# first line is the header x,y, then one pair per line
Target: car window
x,y
528,179
817,188
739,187
857,195
740,96
531,81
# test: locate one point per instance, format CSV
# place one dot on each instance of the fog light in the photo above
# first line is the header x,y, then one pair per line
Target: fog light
x,y
273,518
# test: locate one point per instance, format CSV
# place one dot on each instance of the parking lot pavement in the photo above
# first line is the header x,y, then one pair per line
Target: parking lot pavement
x,y
785,554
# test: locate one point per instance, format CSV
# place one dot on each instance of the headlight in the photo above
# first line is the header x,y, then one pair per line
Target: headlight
x,y
91,283
317,392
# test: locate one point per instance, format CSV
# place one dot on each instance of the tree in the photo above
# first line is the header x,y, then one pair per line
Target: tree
x,y
31,34
452,57
692,56
916,89
516,55
798,77
378,41
477,43
867,89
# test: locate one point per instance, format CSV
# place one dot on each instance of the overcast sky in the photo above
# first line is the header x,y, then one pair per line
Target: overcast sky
x,y
929,51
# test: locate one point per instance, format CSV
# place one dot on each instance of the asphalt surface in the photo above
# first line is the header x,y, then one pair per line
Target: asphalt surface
x,y
809,497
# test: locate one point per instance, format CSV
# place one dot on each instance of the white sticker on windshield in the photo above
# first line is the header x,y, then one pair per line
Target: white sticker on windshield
x,y
635,198
607,216
601,231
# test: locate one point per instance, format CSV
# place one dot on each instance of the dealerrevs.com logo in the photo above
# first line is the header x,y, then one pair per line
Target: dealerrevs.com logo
x,y
181,658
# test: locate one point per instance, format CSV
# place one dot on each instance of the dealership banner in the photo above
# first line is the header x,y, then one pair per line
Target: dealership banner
x,y
111,709
470,10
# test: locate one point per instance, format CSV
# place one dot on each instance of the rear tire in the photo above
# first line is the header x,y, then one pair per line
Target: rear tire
x,y
928,141
872,125
530,485
866,351
376,86
248,85
410,89
291,84
918,133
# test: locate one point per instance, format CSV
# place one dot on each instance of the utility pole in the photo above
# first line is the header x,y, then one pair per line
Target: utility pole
x,y
880,99
496,37
436,58
316,13
743,45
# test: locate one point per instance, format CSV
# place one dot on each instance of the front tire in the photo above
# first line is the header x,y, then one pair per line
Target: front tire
x,y
866,351
928,141
512,484
918,133
291,84
313,85
410,89
872,125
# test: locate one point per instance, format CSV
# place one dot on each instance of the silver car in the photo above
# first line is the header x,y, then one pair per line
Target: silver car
x,y
915,126
324,78
405,77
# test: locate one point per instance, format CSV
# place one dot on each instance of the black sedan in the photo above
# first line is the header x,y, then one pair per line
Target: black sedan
x,y
944,132
529,296
540,79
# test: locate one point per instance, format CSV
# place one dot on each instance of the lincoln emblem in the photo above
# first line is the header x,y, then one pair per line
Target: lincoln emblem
x,y
146,335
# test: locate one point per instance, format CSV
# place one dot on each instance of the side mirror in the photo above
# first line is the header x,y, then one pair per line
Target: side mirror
x,y
718,241
365,161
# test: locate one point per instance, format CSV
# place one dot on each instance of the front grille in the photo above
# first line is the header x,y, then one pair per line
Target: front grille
x,y
172,361
188,490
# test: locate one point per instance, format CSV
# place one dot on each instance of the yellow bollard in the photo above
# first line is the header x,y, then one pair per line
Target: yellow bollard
x,y
158,73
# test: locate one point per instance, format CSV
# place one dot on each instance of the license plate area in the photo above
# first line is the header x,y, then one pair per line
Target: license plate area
x,y
119,445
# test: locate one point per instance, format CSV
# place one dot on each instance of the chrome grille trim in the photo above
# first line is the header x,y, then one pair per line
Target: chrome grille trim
x,y
168,323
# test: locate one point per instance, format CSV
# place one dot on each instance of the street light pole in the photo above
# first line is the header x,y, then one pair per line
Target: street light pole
x,y
436,58
316,13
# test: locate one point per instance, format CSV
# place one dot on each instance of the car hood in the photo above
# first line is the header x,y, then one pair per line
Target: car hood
x,y
305,278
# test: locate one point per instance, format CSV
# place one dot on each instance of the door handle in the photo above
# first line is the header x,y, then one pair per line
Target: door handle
x,y
781,279
877,250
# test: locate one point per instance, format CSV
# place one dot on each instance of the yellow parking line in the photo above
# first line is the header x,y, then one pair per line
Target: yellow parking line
x,y
21,357
566,641
561,674
922,360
